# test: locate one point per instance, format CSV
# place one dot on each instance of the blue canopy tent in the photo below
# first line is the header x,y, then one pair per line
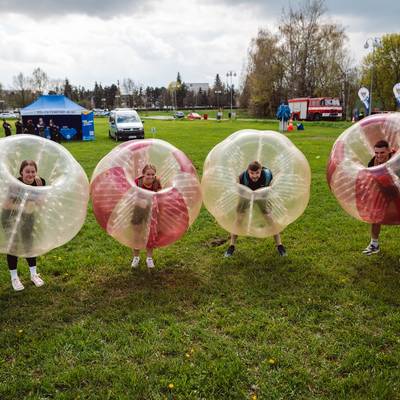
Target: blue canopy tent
x,y
75,122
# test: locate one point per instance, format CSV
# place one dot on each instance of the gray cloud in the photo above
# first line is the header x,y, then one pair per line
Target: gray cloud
x,y
100,8
370,15
383,13
374,15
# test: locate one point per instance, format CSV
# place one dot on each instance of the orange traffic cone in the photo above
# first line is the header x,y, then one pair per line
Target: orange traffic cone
x,y
290,126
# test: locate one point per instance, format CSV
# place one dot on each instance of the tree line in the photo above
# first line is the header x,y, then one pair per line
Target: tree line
x,y
129,93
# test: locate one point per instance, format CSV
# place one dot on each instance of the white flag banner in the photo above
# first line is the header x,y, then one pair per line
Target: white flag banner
x,y
396,91
363,94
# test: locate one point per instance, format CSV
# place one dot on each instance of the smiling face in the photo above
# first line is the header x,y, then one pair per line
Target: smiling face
x,y
254,175
381,154
28,174
149,176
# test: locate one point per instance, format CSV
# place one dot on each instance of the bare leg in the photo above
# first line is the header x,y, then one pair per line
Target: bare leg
x,y
277,239
136,252
149,252
231,248
278,242
239,221
233,239
375,231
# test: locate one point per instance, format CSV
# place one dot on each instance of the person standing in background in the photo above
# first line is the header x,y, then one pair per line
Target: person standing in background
x,y
41,128
18,126
7,128
54,132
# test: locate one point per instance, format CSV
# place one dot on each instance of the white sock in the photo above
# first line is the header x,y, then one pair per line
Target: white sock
x,y
13,273
374,242
33,270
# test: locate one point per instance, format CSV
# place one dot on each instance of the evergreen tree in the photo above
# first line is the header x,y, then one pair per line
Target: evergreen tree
x,y
67,89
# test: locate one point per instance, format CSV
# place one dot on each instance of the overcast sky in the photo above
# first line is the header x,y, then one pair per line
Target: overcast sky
x,y
149,41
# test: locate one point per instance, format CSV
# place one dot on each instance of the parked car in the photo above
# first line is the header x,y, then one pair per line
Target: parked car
x,y
125,123
99,112
191,116
7,114
179,115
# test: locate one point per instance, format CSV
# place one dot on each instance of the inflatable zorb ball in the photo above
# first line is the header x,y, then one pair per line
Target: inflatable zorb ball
x,y
36,219
140,218
285,199
368,194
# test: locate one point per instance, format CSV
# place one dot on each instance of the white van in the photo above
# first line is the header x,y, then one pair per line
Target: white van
x,y
125,124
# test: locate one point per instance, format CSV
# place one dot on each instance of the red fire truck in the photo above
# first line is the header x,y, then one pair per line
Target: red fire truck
x,y
317,108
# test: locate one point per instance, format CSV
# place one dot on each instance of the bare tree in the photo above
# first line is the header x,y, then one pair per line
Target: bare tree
x,y
129,91
307,58
22,85
40,80
313,53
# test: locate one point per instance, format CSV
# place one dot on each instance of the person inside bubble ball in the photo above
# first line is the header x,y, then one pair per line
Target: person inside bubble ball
x,y
255,177
142,210
11,212
382,154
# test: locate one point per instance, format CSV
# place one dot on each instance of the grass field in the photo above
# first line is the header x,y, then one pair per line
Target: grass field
x,y
322,323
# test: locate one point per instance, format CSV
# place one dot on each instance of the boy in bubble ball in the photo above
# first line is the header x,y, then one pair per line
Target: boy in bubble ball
x,y
382,154
255,177
9,215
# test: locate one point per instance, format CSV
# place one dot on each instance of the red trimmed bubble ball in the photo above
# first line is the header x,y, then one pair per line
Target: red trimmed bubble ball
x,y
369,194
141,218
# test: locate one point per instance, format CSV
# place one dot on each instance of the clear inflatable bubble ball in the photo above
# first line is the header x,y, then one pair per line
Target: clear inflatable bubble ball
x,y
268,210
44,208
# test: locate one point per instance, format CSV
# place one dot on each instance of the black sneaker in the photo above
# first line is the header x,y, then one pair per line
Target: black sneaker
x,y
281,250
230,251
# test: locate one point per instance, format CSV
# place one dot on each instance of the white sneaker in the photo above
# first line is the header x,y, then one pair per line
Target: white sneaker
x,y
37,280
150,262
371,249
135,262
16,284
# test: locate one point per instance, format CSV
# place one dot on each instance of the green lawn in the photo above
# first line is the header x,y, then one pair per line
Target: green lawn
x,y
322,323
